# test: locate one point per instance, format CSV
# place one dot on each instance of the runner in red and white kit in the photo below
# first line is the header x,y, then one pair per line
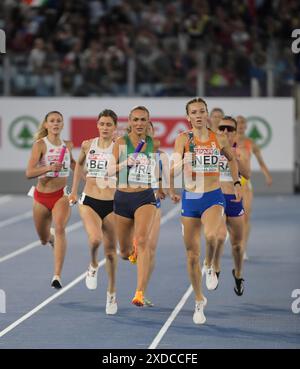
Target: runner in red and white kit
x,y
50,200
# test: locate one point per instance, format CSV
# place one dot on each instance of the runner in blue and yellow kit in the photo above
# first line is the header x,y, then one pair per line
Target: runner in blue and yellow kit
x,y
234,211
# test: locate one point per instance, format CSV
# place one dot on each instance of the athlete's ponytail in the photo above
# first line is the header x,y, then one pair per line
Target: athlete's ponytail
x,y
42,130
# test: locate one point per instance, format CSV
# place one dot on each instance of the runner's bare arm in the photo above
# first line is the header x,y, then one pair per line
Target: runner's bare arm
x,y
78,172
243,164
177,158
257,152
33,168
70,148
114,166
229,154
176,164
165,172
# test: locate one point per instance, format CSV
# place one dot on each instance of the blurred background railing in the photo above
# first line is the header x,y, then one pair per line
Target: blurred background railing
x,y
153,48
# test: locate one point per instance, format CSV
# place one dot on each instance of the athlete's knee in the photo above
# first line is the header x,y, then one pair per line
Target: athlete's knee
x,y
141,242
110,256
237,246
211,237
126,248
60,230
94,242
152,253
110,253
193,257
221,238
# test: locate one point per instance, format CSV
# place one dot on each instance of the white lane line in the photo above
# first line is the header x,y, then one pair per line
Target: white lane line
x,y
31,245
171,318
170,214
46,302
15,219
69,286
183,300
6,198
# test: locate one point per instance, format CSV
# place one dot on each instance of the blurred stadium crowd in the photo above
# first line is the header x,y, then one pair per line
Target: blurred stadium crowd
x,y
88,45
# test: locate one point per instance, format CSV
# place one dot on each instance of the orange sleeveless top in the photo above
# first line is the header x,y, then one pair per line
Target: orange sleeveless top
x,y
206,155
248,146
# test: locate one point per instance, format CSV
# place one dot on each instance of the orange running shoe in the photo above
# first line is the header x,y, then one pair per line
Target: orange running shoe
x,y
133,257
138,299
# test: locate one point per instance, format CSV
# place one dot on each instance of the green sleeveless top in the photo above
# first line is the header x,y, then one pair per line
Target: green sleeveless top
x,y
143,173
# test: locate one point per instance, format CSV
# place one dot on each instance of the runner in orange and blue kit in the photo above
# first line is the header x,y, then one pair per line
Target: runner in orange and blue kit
x,y
198,152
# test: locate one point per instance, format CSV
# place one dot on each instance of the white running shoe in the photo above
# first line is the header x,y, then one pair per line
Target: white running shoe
x,y
111,304
199,317
211,279
91,278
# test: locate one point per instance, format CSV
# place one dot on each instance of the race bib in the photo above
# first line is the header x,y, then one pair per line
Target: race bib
x,y
97,165
206,160
65,170
225,174
144,171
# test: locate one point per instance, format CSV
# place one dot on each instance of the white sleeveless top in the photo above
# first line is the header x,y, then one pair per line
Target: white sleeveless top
x,y
52,156
97,160
225,173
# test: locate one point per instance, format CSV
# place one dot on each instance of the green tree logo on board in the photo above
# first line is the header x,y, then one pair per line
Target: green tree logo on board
x,y
259,130
22,130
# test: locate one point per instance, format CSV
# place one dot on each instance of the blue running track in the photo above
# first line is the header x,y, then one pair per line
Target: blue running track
x,y
76,318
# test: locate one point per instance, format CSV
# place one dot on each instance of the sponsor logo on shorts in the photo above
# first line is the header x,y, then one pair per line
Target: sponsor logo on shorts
x,y
241,212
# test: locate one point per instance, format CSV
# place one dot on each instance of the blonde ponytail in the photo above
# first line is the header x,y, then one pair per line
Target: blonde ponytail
x,y
42,131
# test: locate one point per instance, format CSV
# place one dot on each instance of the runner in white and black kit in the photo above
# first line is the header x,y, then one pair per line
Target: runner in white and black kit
x,y
96,203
